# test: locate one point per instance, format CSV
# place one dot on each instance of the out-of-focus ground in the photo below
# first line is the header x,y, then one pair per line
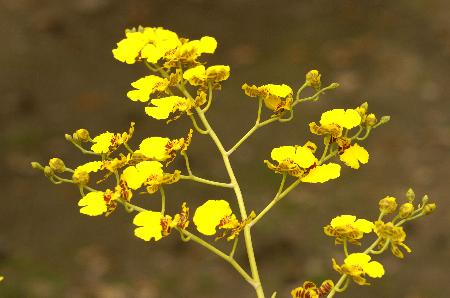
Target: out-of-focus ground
x,y
57,74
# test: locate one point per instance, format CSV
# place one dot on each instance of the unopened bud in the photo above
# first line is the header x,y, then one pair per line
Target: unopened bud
x,y
313,79
424,199
37,166
57,165
48,171
384,119
387,205
80,177
68,137
371,120
405,210
334,85
429,208
410,195
82,135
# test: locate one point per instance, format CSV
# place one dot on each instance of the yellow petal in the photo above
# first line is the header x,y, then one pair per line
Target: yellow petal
x,y
102,142
342,220
345,118
357,259
89,167
323,173
150,225
374,269
135,176
165,106
354,155
208,216
364,225
146,86
154,148
93,204
207,45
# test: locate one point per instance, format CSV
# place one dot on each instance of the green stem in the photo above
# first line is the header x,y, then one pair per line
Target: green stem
x,y
210,98
250,132
197,128
345,247
163,200
274,201
206,181
128,148
233,249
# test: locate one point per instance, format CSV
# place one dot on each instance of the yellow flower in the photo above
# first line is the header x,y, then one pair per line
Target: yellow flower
x,y
162,149
277,98
322,173
208,216
107,142
310,290
387,205
198,75
354,155
148,172
345,118
146,86
299,155
347,227
102,142
166,105
148,43
395,235
93,204
299,161
189,51
357,265
149,223
329,129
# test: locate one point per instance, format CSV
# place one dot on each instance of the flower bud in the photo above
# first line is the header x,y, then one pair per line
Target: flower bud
x,y
334,85
410,195
424,199
80,177
57,165
405,210
387,205
81,135
313,79
48,171
37,166
68,137
429,208
371,120
384,119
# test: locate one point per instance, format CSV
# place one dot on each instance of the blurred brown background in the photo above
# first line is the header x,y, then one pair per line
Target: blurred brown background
x,y
57,74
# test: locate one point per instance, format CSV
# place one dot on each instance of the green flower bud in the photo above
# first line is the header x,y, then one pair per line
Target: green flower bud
x,y
80,177
405,210
334,85
387,205
37,166
48,171
429,208
424,200
57,165
384,119
410,195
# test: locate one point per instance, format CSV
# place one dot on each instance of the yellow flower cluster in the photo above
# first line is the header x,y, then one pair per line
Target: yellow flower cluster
x,y
300,162
357,265
394,234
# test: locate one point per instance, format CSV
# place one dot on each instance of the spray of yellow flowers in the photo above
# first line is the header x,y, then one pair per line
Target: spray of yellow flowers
x,y
179,84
